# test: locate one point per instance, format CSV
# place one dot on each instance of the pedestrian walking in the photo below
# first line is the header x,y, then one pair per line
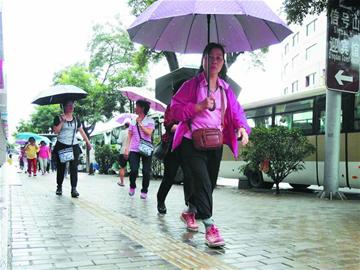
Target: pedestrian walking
x,y
122,141
44,156
171,160
139,147
208,118
22,158
52,159
31,150
67,149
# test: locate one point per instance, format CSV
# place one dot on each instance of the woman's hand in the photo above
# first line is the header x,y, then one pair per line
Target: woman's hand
x,y
62,118
126,153
173,128
241,133
207,103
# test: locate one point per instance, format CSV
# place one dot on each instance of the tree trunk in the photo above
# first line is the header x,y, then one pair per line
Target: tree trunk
x,y
172,60
277,188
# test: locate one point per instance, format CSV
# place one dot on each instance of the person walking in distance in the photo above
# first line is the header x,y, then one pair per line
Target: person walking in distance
x,y
31,150
67,149
206,107
122,160
139,129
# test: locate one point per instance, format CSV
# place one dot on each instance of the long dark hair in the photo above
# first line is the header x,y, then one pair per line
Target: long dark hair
x,y
207,50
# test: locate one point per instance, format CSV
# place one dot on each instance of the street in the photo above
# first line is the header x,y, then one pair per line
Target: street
x,y
106,229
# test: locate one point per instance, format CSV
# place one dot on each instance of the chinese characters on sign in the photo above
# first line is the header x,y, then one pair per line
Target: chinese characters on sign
x,y
343,50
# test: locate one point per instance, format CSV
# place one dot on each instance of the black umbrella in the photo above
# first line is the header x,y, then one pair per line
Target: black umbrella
x,y
58,94
172,81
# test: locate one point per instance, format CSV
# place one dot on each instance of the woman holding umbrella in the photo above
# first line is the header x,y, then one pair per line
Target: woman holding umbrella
x,y
67,147
201,109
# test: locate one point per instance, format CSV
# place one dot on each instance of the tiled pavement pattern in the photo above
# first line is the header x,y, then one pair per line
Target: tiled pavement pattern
x,y
106,229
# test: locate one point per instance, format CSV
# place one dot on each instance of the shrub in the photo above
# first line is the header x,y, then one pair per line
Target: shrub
x,y
277,152
105,156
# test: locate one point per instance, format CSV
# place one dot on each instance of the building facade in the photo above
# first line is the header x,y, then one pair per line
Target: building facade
x,y
3,98
303,57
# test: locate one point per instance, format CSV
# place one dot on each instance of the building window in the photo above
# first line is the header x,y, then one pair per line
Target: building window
x,y
311,28
294,87
310,52
295,39
286,49
286,90
295,61
310,80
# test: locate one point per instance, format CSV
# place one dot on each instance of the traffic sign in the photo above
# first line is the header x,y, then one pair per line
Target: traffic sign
x,y
343,46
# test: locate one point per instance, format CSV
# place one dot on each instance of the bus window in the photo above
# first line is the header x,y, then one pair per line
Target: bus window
x,y
260,122
301,105
357,113
303,121
284,120
264,111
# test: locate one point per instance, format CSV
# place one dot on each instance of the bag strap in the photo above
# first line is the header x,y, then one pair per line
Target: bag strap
x,y
138,130
222,107
74,131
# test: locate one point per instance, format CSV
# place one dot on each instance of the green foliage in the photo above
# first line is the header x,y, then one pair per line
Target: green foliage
x,y
25,126
297,10
105,156
101,102
138,6
277,151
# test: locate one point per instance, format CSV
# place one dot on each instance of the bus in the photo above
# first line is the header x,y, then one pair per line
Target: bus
x,y
306,111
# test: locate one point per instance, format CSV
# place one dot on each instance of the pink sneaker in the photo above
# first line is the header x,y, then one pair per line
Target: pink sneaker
x,y
143,195
213,237
189,220
131,192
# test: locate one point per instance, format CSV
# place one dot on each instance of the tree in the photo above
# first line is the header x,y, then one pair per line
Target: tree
x,y
277,152
43,118
25,126
297,10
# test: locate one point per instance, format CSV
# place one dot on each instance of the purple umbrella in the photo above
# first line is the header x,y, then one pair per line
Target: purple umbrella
x,y
136,93
125,118
187,26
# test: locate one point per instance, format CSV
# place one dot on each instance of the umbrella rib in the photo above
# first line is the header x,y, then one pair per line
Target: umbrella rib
x,y
217,30
244,29
267,24
188,36
162,32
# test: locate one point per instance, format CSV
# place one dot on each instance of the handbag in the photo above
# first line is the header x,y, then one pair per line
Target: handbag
x,y
210,138
145,147
67,154
161,150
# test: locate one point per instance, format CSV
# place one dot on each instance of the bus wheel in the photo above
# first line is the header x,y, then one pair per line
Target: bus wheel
x,y
299,186
256,180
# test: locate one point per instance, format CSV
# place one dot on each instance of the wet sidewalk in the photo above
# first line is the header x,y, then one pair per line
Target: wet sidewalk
x,y
106,229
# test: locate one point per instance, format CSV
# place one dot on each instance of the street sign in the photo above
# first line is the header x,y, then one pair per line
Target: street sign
x,y
343,46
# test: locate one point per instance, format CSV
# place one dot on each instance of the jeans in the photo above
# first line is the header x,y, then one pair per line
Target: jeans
x,y
134,158
43,164
60,173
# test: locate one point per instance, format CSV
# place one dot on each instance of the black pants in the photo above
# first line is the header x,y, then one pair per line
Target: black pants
x,y
60,173
201,169
134,159
171,166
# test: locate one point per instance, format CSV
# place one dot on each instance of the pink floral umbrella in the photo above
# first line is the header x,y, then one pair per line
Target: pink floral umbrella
x,y
136,93
126,118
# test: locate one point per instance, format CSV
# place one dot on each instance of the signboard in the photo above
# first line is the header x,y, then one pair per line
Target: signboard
x,y
343,47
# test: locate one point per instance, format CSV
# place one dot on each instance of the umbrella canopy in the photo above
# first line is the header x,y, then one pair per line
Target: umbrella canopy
x,y
187,26
23,137
165,84
58,94
136,93
125,118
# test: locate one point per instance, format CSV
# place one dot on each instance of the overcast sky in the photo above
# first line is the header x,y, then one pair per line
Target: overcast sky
x,y
42,37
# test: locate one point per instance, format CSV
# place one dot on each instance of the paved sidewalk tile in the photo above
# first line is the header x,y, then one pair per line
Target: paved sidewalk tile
x,y
106,229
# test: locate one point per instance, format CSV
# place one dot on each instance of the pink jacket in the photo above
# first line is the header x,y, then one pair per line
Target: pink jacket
x,y
183,108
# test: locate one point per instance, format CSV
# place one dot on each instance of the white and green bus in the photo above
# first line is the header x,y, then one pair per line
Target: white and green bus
x,y
305,110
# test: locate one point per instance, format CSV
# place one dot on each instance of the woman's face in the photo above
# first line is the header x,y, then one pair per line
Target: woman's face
x,y
216,60
69,107
139,110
